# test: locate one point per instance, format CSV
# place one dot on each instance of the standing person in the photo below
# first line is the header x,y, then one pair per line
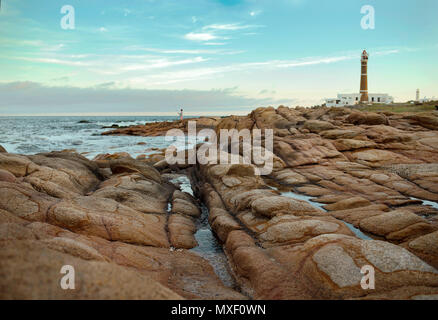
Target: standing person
x,y
181,115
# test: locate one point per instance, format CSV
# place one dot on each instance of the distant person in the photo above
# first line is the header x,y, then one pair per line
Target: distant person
x,y
181,115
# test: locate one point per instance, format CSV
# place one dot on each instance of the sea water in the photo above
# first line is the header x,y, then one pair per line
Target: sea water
x,y
31,135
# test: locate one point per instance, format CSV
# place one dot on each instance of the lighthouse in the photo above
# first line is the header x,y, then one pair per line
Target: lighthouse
x,y
363,97
364,78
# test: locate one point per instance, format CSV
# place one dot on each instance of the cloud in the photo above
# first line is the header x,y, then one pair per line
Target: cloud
x,y
13,42
60,79
161,63
34,98
229,27
51,61
310,62
111,64
192,74
203,36
144,71
266,91
185,51
215,43
217,31
106,85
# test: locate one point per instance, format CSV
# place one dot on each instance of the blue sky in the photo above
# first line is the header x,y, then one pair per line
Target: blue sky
x,y
209,56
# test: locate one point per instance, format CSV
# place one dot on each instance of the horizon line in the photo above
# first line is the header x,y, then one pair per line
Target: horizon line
x,y
127,114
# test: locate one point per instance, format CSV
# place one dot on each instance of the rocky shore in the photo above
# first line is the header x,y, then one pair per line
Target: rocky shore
x,y
349,189
161,128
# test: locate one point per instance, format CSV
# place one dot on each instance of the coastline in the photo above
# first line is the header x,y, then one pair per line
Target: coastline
x,y
374,172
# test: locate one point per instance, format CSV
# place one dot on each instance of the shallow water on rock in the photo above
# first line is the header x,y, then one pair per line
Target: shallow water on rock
x,y
357,231
427,203
184,183
209,247
310,201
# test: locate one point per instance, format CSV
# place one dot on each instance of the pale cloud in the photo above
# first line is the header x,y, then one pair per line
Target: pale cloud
x,y
215,43
309,62
111,64
218,31
56,47
16,97
326,60
255,13
229,27
14,42
161,63
144,71
203,36
185,51
193,74
51,61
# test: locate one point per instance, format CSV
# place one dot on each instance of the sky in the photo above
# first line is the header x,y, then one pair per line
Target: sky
x,y
210,57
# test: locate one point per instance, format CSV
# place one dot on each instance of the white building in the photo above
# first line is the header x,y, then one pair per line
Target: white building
x,y
352,99
418,99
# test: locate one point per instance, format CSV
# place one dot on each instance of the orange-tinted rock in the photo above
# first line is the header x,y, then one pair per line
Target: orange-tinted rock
x,y
378,158
427,120
181,232
181,271
93,279
181,206
317,126
161,128
349,203
110,220
136,192
298,152
396,225
425,247
134,166
350,144
7,176
273,206
363,166
368,118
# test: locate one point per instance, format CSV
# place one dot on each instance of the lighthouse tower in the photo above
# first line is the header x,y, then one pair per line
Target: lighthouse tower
x,y
364,78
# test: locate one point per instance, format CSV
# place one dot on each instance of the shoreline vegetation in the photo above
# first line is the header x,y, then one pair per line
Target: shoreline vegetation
x,y
413,107
130,227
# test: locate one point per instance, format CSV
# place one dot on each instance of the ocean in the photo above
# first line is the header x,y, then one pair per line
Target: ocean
x,y
31,135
